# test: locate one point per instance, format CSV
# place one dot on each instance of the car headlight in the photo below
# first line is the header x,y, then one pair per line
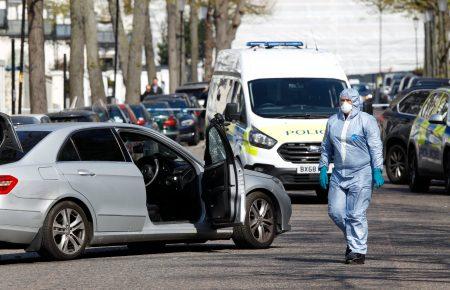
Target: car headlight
x,y
187,122
259,139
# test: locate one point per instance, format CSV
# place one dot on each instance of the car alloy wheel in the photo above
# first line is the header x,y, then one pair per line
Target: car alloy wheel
x,y
396,164
69,231
261,220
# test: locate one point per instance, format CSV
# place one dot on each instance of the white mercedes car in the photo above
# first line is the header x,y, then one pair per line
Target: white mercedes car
x,y
64,187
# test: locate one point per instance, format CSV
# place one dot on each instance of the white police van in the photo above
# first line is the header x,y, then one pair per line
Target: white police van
x,y
277,97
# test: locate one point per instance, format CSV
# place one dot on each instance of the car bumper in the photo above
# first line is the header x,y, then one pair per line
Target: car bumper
x,y
289,177
21,219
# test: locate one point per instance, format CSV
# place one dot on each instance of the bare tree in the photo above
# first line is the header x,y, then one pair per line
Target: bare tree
x,y
193,27
209,41
149,52
123,45
38,96
172,45
76,65
135,56
93,65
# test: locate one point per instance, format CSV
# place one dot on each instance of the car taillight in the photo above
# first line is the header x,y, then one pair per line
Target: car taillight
x,y
7,183
141,122
198,113
171,122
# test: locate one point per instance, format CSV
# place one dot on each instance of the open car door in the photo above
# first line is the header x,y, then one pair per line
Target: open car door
x,y
223,188
8,135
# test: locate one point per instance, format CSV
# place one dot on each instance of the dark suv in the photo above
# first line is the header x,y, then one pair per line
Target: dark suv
x,y
429,143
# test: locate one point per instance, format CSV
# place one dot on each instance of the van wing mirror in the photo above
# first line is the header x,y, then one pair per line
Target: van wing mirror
x,y
8,135
231,112
436,119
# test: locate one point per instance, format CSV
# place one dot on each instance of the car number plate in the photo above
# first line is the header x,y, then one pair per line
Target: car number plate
x,y
307,168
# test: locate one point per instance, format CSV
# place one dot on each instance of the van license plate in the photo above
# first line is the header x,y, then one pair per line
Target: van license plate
x,y
307,168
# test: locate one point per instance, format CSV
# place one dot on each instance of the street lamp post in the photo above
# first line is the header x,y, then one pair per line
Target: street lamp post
x,y
429,40
416,26
181,4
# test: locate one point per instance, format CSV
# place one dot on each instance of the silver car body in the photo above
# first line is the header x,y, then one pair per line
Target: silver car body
x,y
114,200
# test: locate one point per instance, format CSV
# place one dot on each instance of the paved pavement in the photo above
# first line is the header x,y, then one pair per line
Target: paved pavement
x,y
409,247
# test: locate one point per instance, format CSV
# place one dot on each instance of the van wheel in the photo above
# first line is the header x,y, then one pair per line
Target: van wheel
x,y
66,232
258,231
396,164
416,182
322,195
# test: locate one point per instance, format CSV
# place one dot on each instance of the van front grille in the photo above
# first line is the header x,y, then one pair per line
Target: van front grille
x,y
300,152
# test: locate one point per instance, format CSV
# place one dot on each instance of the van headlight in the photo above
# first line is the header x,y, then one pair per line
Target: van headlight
x,y
259,139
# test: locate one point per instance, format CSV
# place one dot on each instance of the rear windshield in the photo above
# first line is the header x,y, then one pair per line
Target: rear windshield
x,y
116,115
28,139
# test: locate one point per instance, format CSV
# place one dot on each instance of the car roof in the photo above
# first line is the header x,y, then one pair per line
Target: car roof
x,y
71,113
193,86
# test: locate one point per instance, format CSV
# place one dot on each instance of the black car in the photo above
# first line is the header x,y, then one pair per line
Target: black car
x,y
101,111
198,90
116,114
434,82
144,117
74,116
395,124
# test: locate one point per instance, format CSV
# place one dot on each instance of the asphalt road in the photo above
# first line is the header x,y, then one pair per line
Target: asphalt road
x,y
409,247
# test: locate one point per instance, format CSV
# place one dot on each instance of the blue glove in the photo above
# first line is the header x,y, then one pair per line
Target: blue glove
x,y
323,177
378,179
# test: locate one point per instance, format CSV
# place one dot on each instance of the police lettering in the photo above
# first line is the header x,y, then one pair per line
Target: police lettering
x,y
305,132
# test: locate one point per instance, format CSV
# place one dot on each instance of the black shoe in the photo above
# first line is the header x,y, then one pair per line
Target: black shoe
x,y
355,258
347,251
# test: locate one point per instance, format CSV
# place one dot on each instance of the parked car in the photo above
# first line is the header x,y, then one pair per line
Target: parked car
x,y
129,114
101,111
61,191
26,119
429,145
164,117
144,118
189,126
116,115
395,124
436,82
74,116
199,90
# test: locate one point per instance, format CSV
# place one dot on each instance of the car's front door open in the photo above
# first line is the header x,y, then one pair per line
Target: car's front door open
x,y
8,135
223,179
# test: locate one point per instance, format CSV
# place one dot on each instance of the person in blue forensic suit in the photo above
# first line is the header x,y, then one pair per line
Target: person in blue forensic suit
x,y
352,142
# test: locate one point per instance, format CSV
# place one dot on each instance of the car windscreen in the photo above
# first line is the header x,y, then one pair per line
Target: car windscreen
x,y
28,139
116,115
138,112
295,97
74,119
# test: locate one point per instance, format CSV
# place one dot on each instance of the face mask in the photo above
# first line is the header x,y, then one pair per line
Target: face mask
x,y
346,108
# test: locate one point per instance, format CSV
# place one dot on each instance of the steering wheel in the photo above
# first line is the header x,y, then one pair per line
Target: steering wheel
x,y
149,167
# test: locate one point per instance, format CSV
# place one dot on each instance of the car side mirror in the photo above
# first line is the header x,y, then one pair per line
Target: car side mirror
x,y
437,119
231,112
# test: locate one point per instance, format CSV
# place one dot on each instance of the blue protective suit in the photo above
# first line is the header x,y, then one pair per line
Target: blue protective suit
x,y
354,145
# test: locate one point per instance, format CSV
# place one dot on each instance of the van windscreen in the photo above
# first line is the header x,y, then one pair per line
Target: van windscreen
x,y
295,97
28,139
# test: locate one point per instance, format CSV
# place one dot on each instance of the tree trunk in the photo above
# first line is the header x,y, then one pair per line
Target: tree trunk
x,y
235,22
221,24
123,45
93,65
172,45
193,27
38,96
76,65
135,58
149,53
209,42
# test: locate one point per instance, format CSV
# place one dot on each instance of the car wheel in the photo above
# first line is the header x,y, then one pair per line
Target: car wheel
x,y
416,182
396,165
66,232
258,231
194,140
322,194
